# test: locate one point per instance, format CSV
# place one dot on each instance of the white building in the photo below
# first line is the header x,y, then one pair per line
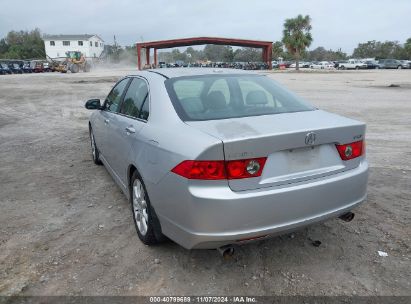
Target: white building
x,y
57,45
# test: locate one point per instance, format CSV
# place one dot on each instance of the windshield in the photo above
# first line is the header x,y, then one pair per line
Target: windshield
x,y
228,96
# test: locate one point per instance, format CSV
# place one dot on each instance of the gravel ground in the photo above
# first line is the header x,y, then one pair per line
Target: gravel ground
x,y
66,228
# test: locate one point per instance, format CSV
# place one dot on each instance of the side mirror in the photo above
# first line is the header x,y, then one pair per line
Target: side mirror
x,y
93,104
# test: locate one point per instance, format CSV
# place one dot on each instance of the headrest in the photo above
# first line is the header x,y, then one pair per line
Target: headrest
x,y
215,101
256,98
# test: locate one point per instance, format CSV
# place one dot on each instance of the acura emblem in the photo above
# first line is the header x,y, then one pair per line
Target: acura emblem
x,y
310,138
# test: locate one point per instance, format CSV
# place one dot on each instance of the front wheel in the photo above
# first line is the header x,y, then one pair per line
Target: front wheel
x,y
94,150
399,67
145,218
74,68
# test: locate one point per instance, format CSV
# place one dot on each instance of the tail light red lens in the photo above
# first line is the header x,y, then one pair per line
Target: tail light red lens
x,y
201,169
216,169
351,150
245,168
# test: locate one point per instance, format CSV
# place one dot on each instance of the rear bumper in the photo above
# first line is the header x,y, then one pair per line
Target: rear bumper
x,y
212,215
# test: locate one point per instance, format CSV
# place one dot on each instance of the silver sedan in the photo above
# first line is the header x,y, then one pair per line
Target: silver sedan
x,y
212,158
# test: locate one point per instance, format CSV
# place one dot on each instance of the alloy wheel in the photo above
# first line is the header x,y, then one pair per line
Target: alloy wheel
x,y
140,207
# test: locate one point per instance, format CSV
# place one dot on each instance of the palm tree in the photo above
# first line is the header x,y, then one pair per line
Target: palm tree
x,y
297,36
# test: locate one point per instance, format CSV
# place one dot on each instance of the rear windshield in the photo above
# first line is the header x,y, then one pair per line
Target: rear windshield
x,y
228,96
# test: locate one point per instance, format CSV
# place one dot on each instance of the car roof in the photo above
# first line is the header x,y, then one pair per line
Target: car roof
x,y
181,72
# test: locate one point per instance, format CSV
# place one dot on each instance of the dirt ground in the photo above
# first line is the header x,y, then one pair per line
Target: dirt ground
x,y
66,228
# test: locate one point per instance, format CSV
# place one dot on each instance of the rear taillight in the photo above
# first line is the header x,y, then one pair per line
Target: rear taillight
x,y
245,168
351,150
201,169
218,169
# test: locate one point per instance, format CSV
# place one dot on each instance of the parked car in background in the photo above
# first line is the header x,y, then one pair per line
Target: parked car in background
x,y
46,66
5,68
322,65
208,170
352,64
405,64
26,67
372,64
2,72
305,64
15,68
390,64
302,64
274,64
36,66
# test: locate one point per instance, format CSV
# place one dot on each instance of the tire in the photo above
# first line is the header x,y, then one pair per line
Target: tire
x,y
94,150
357,68
399,67
144,217
74,68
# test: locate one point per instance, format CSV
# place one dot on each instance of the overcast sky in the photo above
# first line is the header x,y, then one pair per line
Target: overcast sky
x,y
336,24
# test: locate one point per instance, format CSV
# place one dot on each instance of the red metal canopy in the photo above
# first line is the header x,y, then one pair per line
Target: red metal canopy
x,y
266,46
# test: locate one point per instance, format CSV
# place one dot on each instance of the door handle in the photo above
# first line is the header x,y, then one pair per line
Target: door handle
x,y
106,121
130,130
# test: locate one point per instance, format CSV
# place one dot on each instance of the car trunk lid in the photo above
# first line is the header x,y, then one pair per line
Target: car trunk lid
x,y
285,140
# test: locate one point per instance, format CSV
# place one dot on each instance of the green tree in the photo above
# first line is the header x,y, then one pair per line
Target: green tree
x,y
297,36
22,45
228,54
247,54
214,52
378,49
320,54
278,50
407,49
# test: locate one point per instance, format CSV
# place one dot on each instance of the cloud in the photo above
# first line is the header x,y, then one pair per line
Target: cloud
x,y
336,24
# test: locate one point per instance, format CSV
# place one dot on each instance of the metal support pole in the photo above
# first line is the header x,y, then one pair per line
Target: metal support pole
x,y
148,56
138,56
155,58
270,56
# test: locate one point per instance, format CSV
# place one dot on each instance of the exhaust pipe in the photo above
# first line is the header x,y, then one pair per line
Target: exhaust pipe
x,y
226,252
347,217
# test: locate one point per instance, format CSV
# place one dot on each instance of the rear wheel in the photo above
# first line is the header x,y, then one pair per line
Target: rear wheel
x,y
399,67
357,67
145,218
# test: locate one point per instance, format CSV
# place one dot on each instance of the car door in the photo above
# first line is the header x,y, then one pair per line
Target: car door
x,y
132,118
107,118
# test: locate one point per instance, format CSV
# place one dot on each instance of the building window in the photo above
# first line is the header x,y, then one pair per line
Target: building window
x,y
91,43
96,44
66,43
52,43
80,43
101,44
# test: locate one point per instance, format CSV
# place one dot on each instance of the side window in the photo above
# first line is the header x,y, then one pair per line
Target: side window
x,y
113,99
188,92
135,102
